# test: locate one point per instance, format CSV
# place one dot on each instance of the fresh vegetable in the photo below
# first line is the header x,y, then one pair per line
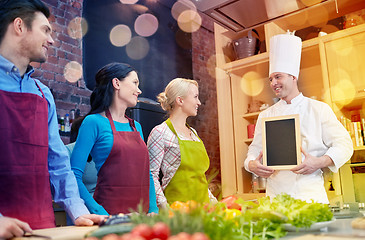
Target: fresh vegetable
x,y
260,220
231,202
161,231
115,229
144,231
299,213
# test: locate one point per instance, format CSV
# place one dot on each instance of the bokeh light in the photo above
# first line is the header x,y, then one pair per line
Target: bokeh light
x,y
344,91
137,48
77,28
189,21
252,84
72,71
329,28
146,25
180,6
297,22
128,1
342,47
319,17
120,35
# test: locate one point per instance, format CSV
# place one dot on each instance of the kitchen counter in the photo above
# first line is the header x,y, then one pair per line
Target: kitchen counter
x,y
340,229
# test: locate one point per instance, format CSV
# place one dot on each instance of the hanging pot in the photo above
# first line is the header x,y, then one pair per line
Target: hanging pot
x,y
246,46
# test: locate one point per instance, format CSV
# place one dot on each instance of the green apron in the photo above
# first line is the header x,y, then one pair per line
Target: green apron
x,y
189,181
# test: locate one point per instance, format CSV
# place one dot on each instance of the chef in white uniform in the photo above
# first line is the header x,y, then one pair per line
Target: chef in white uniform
x,y
325,142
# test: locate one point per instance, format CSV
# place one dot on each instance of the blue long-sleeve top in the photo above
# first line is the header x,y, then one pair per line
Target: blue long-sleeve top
x,y
62,179
96,138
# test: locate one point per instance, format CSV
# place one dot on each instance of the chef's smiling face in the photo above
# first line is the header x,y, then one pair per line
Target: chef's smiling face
x,y
283,85
37,39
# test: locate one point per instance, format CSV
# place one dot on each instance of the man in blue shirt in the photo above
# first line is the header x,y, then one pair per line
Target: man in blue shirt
x,y
33,159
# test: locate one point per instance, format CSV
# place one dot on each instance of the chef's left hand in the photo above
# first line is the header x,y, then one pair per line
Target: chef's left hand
x,y
312,164
89,219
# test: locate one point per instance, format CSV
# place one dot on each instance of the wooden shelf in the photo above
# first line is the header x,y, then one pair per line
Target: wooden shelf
x,y
248,140
253,115
359,148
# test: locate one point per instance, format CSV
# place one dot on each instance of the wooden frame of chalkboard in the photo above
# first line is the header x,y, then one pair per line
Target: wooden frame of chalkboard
x,y
281,142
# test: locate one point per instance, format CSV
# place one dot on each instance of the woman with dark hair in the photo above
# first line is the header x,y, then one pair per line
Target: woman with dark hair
x,y
115,143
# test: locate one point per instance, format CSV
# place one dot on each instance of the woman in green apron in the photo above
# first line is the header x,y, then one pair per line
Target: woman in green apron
x,y
176,150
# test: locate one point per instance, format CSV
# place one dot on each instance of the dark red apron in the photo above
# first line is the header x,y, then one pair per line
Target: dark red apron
x,y
123,180
24,178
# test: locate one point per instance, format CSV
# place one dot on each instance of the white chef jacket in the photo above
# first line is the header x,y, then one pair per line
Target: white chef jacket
x,y
321,134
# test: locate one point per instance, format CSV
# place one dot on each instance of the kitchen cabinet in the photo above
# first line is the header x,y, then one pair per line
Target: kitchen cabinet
x,y
345,57
240,82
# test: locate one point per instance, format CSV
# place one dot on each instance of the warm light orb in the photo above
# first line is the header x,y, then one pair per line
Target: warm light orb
x,y
128,1
329,28
72,71
319,17
344,91
120,35
343,47
189,21
252,84
77,28
146,25
137,48
180,6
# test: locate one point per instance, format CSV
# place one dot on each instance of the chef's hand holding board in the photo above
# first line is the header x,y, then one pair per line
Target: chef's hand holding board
x,y
281,142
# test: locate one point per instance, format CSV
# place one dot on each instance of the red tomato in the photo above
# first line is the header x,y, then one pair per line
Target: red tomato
x,y
161,230
183,236
230,202
173,238
126,236
111,236
199,236
143,230
130,236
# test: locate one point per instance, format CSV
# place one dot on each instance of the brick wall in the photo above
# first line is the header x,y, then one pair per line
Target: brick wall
x,y
206,123
65,49
75,95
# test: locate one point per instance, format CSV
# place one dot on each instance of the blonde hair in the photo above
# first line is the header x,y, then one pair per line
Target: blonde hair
x,y
178,87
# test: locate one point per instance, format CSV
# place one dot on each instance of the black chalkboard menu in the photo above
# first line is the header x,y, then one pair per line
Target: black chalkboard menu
x,y
281,142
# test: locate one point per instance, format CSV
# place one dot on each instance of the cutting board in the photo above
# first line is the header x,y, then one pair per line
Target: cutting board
x,y
64,233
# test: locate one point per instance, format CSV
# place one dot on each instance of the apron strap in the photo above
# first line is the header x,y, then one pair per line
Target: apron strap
x,y
169,124
109,116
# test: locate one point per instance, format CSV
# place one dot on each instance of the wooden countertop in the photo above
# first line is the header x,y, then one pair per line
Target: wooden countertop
x,y
64,233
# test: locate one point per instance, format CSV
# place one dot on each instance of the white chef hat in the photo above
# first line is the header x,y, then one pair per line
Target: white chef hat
x,y
285,53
